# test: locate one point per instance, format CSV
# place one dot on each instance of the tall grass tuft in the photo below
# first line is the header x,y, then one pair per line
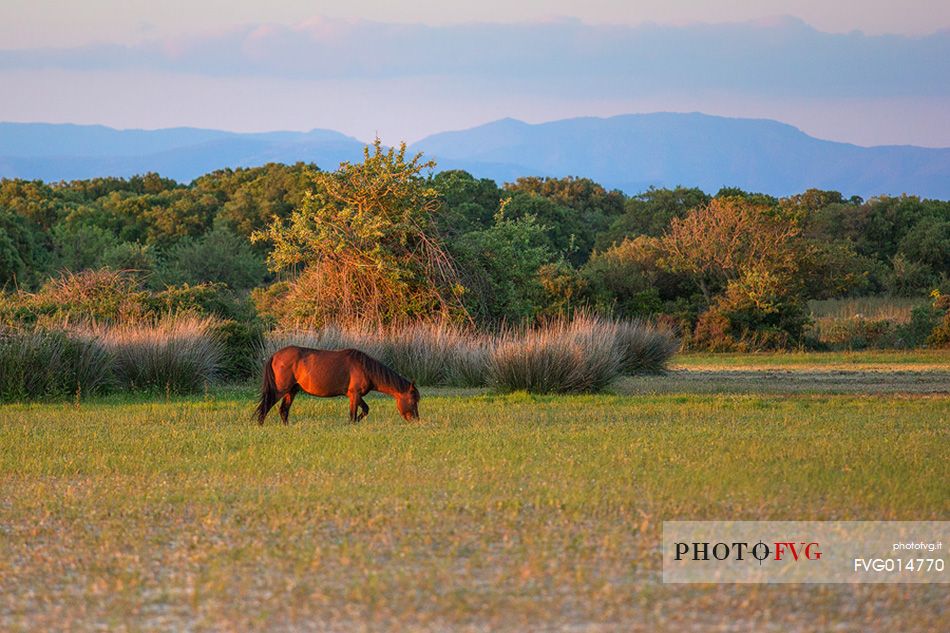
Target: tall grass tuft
x,y
41,364
644,347
425,352
895,309
468,364
93,364
181,354
331,337
562,356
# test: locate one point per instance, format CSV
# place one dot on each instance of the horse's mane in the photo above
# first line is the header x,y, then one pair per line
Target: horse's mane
x,y
380,373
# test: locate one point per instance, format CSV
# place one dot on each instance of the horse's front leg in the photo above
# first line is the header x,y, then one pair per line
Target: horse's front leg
x,y
364,409
354,405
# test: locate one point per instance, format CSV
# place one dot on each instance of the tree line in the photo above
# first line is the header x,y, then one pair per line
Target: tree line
x,y
389,240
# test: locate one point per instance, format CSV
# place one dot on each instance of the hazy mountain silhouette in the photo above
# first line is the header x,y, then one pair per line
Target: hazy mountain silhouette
x,y
68,152
629,152
633,152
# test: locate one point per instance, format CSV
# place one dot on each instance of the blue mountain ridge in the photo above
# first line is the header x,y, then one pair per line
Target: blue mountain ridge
x,y
627,152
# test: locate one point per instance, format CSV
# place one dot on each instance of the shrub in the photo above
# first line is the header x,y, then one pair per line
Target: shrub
x,y
98,295
713,332
756,312
857,333
923,321
940,335
218,256
211,299
240,344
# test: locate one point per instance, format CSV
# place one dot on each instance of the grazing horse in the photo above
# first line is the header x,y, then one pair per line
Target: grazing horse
x,y
324,374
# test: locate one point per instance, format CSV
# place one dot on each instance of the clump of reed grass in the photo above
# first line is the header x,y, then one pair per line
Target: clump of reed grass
x,y
93,365
468,364
645,347
428,353
37,364
561,356
178,354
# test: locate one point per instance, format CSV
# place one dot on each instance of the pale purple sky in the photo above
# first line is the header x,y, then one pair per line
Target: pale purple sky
x,y
868,72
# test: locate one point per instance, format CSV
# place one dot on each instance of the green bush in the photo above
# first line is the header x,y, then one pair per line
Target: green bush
x,y
923,321
757,311
858,333
206,299
241,342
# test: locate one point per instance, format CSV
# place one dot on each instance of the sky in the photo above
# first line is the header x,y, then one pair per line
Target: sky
x,y
867,72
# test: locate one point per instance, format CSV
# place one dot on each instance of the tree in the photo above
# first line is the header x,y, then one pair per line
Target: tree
x,y
745,258
80,246
627,278
928,243
727,238
576,211
19,251
502,266
367,243
253,197
219,255
649,213
468,204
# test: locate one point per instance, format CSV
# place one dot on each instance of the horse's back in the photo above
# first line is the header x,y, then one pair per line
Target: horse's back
x,y
318,372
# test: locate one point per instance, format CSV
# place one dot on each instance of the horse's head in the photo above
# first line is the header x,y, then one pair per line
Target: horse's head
x,y
408,402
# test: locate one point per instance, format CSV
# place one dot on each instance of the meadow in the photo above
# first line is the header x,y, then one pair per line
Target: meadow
x,y
494,511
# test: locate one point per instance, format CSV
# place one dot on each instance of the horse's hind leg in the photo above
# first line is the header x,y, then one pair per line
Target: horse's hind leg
x,y
286,401
364,409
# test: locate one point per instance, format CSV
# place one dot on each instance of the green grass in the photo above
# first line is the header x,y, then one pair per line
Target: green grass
x,y
884,360
507,512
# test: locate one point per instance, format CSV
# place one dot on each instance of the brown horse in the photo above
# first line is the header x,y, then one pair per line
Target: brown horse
x,y
325,374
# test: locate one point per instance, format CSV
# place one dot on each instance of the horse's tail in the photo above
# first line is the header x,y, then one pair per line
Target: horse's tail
x,y
268,392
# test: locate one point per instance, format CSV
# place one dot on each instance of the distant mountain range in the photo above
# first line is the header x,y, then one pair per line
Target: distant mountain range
x,y
629,152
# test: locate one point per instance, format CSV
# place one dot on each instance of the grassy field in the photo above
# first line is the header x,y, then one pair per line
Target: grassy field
x,y
876,360
510,512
